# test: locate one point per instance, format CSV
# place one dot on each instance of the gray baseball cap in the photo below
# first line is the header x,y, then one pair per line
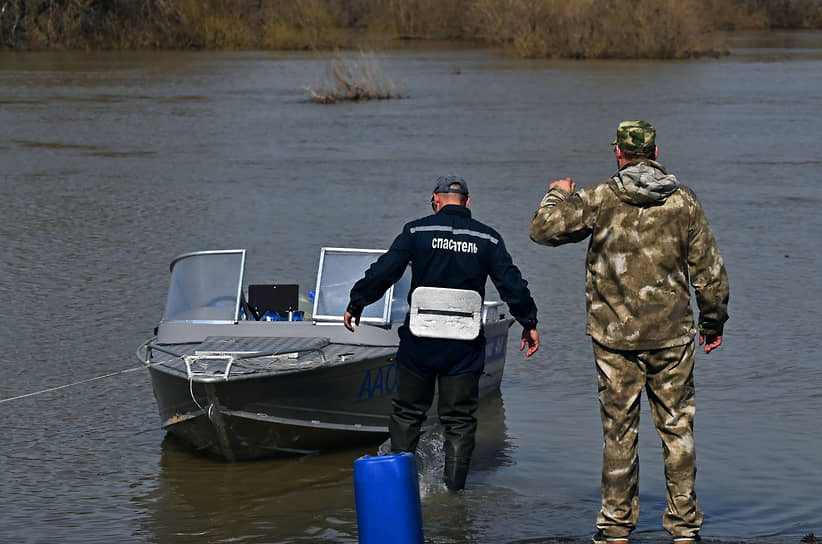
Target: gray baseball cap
x,y
446,184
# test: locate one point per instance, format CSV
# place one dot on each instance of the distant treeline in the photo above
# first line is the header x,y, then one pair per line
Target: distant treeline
x,y
530,28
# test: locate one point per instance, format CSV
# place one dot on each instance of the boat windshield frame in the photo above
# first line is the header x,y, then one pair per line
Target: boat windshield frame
x,y
188,284
331,297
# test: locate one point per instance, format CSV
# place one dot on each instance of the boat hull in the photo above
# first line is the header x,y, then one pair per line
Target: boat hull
x,y
302,412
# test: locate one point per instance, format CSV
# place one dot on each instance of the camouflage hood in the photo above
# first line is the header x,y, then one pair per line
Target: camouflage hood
x,y
644,182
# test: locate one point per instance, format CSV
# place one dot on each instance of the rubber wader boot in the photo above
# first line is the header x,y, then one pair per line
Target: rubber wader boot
x,y
411,402
459,397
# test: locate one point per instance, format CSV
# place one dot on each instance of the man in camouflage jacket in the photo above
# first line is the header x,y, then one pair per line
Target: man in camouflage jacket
x,y
649,238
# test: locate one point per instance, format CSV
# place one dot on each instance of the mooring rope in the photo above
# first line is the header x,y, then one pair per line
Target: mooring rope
x,y
187,359
109,375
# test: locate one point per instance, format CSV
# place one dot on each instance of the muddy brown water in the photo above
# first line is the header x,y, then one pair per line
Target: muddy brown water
x,y
114,163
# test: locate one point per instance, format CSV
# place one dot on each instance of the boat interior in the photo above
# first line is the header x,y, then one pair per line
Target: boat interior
x,y
207,297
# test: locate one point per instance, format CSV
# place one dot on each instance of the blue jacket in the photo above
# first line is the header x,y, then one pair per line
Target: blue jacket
x,y
447,249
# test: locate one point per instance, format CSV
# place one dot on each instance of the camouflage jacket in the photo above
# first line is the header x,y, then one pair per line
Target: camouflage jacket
x,y
649,238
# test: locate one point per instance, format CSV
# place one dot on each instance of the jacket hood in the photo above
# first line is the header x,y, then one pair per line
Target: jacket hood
x,y
644,182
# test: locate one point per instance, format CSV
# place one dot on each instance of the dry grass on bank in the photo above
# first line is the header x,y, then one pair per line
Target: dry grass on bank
x,y
231,24
529,28
354,80
598,29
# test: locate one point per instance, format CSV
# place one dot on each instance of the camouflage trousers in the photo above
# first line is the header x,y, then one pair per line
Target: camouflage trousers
x,y
667,376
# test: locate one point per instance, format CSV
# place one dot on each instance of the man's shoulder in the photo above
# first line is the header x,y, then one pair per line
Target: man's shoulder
x,y
686,195
687,191
597,192
479,226
420,221
600,188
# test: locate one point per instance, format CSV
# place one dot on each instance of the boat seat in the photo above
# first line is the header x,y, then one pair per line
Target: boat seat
x,y
280,298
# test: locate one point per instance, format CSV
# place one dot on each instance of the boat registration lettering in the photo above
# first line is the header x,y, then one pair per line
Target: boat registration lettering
x,y
378,382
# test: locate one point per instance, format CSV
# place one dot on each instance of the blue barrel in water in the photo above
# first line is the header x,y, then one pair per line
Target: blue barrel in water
x,y
388,499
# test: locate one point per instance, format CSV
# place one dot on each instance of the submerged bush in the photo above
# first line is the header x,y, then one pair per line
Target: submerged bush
x,y
352,80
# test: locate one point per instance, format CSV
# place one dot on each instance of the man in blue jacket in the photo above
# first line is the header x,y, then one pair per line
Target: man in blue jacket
x,y
451,250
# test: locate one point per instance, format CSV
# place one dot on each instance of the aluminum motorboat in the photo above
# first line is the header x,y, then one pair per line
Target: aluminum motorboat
x,y
250,371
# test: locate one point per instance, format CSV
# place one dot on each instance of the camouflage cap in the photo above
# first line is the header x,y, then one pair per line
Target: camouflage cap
x,y
636,137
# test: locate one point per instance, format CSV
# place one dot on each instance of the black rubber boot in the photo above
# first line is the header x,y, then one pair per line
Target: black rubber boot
x,y
411,402
458,401
456,472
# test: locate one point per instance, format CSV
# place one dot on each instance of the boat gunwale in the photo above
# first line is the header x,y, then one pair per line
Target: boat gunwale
x,y
174,365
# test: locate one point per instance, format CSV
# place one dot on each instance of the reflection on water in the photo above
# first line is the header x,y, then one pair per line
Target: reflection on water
x,y
114,163
200,499
204,500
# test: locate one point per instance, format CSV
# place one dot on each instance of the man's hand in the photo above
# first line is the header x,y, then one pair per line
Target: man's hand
x,y
711,341
347,321
530,337
565,184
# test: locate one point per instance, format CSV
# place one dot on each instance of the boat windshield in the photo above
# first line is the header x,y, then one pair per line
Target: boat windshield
x,y
339,270
206,287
